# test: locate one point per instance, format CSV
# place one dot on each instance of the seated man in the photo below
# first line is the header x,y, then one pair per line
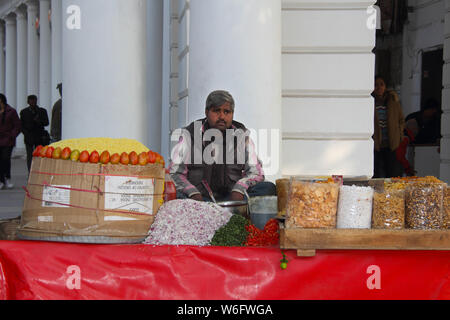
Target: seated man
x,y
216,152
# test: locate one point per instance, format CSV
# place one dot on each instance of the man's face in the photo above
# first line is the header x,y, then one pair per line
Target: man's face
x,y
220,117
380,87
32,102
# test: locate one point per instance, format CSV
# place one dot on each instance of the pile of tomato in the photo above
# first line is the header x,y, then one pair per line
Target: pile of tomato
x,y
269,236
132,158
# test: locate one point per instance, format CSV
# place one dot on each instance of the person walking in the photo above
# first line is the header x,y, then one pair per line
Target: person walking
x,y
9,130
34,120
55,127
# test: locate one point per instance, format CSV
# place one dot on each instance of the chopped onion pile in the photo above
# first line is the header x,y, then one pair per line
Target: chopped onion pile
x,y
187,222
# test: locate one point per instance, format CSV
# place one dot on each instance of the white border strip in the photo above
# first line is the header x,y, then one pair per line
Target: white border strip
x,y
327,50
318,6
326,136
326,93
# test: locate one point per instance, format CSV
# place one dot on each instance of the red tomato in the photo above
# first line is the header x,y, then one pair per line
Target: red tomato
x,y
43,152
37,151
49,152
115,158
56,153
133,158
84,156
124,158
143,158
94,157
65,154
151,157
104,157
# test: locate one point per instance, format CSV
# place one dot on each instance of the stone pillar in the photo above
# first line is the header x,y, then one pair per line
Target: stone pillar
x,y
445,121
21,59
33,49
104,69
328,76
234,46
155,17
56,24
166,106
21,70
45,67
11,60
2,57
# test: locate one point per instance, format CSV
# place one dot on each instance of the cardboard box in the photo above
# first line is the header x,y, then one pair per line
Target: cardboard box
x,y
68,200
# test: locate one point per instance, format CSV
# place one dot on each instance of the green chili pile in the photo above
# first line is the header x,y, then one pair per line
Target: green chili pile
x,y
233,234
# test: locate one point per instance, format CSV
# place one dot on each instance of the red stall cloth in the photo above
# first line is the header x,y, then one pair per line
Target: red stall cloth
x,y
45,270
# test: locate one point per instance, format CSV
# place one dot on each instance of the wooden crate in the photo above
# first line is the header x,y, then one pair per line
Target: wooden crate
x,y
307,241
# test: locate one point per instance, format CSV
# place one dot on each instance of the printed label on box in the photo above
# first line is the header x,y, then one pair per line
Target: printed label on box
x,y
45,219
118,218
129,194
54,197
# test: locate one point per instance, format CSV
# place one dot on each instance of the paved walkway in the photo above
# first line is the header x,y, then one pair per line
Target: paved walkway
x,y
11,201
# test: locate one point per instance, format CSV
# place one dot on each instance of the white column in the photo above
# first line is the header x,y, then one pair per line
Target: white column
x,y
328,76
21,60
32,49
104,69
45,67
229,45
445,121
166,81
56,23
21,69
155,17
2,57
11,60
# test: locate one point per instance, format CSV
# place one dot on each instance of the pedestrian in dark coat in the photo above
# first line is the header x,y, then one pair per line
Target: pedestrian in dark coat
x,y
34,120
9,130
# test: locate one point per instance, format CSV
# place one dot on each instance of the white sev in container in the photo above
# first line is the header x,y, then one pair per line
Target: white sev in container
x,y
355,207
187,222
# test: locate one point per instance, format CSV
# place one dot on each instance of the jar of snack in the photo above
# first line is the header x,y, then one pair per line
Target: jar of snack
x,y
446,217
355,207
389,209
424,205
312,205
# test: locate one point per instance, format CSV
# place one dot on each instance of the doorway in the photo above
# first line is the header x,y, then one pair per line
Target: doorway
x,y
432,65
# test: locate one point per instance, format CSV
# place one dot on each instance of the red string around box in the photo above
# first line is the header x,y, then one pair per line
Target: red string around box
x,y
80,207
46,184
85,190
93,174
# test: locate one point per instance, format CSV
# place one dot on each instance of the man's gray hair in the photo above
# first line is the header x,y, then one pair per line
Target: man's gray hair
x,y
218,98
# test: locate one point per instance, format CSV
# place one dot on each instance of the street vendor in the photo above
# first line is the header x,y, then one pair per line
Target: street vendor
x,y
216,153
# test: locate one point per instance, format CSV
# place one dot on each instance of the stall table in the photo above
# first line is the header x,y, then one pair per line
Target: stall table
x,y
47,270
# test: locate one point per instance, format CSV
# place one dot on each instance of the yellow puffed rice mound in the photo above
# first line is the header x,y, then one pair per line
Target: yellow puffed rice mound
x,y
102,144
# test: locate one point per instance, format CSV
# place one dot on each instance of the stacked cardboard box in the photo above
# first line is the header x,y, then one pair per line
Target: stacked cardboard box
x,y
93,203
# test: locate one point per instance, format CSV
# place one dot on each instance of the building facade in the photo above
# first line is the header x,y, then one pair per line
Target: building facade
x,y
301,73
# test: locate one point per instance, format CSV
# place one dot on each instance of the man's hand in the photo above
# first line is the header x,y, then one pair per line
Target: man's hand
x,y
197,197
236,196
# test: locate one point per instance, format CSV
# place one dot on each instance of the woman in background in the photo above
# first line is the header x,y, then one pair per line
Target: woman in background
x,y
9,130
389,126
